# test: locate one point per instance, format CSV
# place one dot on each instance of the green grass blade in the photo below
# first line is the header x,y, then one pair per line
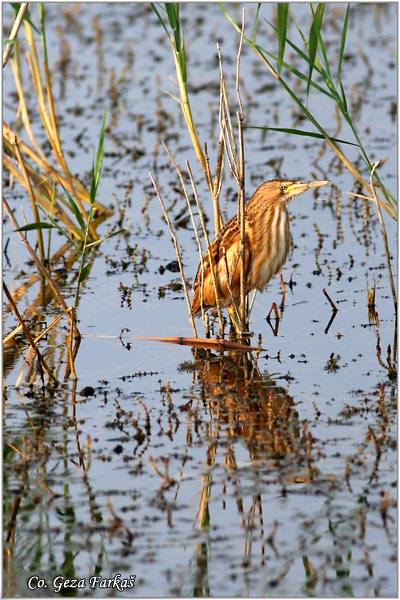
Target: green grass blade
x,y
301,132
43,30
330,92
172,9
344,100
83,273
38,225
56,225
343,43
75,209
99,161
303,37
314,39
338,95
105,237
319,14
256,21
160,18
182,61
283,12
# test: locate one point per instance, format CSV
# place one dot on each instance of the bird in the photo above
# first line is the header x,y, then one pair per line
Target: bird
x,y
266,247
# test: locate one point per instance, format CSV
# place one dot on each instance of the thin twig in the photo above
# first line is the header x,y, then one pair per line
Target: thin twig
x,y
173,161
236,164
29,187
219,169
218,222
228,283
225,122
384,235
41,267
388,207
241,185
331,302
207,240
42,363
177,251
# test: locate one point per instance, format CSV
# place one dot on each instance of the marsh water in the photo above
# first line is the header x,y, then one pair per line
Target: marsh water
x,y
186,473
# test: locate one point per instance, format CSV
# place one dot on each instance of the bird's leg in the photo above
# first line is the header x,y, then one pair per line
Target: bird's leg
x,y
233,308
207,325
252,301
234,318
282,286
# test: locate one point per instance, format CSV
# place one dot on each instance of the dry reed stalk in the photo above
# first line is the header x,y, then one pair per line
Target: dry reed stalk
x,y
217,185
78,190
40,182
384,235
34,207
23,109
45,294
73,347
42,363
241,188
226,144
40,267
45,194
48,115
44,332
226,123
74,331
235,156
177,251
186,110
207,240
205,233
14,31
67,310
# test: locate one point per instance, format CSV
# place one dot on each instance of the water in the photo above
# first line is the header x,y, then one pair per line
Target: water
x,y
274,476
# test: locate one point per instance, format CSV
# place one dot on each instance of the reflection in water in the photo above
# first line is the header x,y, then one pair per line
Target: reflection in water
x,y
248,407
45,320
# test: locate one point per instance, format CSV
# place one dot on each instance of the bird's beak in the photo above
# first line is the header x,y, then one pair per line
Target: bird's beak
x,y
298,187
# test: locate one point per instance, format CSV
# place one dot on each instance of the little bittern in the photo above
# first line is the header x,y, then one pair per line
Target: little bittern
x,y
266,246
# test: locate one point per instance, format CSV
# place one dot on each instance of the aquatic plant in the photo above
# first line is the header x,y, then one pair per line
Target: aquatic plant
x,y
57,198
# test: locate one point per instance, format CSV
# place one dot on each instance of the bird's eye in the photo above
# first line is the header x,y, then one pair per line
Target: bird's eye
x,y
283,187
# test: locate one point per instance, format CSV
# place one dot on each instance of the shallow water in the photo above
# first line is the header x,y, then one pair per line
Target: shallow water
x,y
270,475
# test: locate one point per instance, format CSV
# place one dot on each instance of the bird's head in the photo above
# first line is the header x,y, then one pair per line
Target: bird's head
x,y
282,190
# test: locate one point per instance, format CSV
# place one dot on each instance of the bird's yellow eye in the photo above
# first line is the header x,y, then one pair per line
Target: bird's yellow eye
x,y
283,187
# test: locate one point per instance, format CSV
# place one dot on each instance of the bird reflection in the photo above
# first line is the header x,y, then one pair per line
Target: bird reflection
x,y
248,405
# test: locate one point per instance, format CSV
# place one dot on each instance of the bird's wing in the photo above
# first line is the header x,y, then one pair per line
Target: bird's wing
x,y
225,256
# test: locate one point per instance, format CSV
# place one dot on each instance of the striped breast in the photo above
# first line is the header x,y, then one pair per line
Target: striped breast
x,y
272,241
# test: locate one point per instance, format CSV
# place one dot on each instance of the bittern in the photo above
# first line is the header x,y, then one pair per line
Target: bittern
x,y
266,247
